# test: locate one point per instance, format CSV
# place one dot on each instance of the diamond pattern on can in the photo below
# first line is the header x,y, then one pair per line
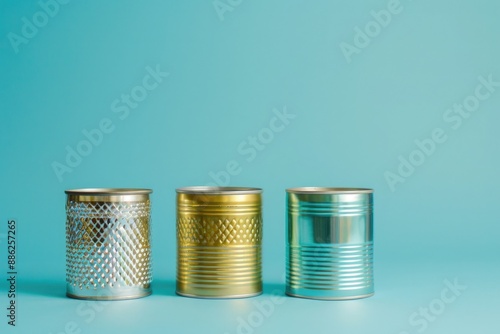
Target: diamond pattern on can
x,y
218,231
108,244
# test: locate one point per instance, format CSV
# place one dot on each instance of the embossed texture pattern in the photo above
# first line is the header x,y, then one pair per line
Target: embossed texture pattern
x,y
223,231
108,245
331,267
219,256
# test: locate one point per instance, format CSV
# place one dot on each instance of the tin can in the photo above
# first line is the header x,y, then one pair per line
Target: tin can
x,y
108,248
330,243
219,241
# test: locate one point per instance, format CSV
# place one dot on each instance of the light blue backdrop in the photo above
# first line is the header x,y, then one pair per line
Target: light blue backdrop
x,y
179,89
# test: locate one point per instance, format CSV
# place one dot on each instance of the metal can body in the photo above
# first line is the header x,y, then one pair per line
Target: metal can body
x,y
219,241
108,249
330,243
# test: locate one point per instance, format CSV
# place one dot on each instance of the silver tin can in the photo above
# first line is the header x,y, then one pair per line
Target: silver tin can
x,y
108,248
329,243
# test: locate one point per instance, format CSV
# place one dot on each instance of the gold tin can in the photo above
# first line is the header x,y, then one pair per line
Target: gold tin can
x,y
108,249
219,242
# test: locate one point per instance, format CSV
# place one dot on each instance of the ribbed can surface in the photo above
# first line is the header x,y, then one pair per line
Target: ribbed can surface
x,y
219,238
108,250
330,243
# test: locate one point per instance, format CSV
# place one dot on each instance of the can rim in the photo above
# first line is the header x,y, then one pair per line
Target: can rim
x,y
108,191
329,190
218,190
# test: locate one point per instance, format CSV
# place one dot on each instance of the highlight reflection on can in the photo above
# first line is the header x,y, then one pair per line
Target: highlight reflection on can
x,y
330,243
219,238
108,251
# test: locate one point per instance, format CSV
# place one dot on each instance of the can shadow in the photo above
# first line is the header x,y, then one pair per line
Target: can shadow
x,y
274,289
160,288
43,288
163,288
167,288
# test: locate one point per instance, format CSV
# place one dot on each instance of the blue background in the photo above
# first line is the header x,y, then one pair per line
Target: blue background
x,y
352,122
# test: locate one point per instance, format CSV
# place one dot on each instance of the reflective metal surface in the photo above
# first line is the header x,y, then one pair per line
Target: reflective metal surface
x,y
219,237
108,251
330,243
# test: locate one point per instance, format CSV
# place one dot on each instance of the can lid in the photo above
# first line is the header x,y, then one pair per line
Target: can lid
x,y
108,191
219,190
329,190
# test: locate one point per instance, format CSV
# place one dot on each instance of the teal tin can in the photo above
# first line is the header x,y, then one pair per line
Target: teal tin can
x,y
329,243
